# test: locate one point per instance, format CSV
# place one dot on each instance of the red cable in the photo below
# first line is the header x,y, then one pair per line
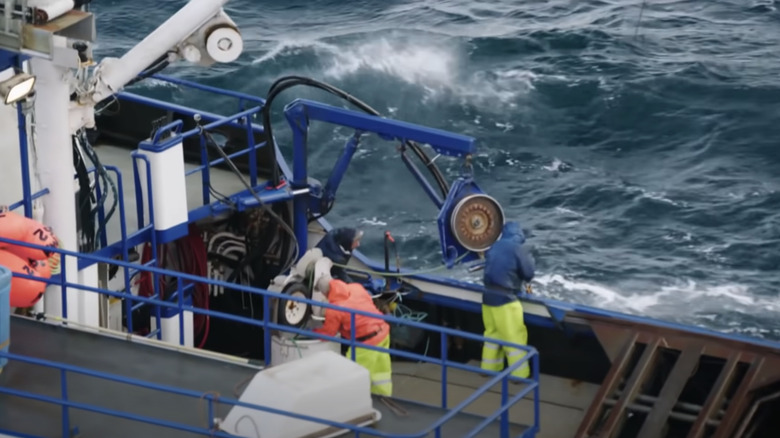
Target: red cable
x,y
196,258
192,260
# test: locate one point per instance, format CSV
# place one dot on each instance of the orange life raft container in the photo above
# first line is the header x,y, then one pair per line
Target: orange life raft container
x,y
23,260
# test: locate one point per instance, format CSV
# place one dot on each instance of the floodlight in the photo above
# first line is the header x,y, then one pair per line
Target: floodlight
x,y
17,87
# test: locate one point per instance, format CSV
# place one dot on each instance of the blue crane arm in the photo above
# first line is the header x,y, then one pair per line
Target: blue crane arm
x,y
299,115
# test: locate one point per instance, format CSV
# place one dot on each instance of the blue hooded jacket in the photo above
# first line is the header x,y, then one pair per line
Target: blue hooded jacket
x,y
337,246
507,265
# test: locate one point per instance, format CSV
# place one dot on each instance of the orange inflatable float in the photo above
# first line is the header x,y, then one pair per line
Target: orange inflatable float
x,y
23,260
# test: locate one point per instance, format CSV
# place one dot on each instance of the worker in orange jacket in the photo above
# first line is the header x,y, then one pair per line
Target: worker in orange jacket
x,y
371,331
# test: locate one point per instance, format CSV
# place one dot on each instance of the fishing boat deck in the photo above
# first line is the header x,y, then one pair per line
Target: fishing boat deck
x,y
151,364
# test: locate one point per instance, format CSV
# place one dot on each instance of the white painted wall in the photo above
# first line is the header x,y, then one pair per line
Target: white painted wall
x,y
10,171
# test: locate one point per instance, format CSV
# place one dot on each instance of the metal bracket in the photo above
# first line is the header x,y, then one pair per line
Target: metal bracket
x,y
40,40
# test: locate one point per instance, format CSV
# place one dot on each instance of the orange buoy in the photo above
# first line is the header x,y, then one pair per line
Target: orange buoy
x,y
14,226
24,291
19,259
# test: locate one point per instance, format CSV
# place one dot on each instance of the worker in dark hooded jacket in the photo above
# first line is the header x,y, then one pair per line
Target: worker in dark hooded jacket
x,y
338,245
507,265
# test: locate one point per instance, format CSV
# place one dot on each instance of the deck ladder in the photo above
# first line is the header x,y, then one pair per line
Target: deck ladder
x,y
620,395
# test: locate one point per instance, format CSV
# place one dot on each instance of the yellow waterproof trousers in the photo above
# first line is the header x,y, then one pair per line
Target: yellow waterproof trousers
x,y
504,323
378,365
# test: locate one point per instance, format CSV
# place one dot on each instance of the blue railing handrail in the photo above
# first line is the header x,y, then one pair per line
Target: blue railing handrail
x,y
235,286
207,88
211,399
268,325
243,120
257,104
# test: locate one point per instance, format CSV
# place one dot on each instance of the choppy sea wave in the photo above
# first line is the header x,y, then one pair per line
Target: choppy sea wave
x,y
640,156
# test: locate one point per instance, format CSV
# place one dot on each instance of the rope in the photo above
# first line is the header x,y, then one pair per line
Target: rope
x,y
441,267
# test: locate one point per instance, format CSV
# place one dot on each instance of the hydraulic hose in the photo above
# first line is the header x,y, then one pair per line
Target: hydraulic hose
x,y
290,81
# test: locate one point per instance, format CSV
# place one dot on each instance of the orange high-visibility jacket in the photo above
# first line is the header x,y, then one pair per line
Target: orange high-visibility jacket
x,y
352,295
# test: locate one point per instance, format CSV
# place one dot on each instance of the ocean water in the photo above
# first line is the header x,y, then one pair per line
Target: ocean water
x,y
640,155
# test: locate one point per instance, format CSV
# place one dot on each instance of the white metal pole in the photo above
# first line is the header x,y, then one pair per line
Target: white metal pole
x,y
55,167
116,73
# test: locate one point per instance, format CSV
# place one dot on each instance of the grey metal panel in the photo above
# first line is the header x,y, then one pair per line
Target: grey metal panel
x,y
151,364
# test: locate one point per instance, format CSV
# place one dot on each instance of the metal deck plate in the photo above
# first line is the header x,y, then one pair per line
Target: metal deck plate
x,y
115,356
155,365
421,416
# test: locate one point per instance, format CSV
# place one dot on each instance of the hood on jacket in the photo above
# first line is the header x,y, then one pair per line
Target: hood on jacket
x,y
345,236
337,244
513,231
339,291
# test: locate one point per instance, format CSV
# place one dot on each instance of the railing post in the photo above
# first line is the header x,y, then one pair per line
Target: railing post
x,y
352,340
443,377
504,401
266,330
180,291
24,158
250,141
64,394
443,370
535,364
64,287
205,174
139,200
210,401
103,238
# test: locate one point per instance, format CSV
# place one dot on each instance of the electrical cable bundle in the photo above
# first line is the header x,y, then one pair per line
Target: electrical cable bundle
x,y
83,150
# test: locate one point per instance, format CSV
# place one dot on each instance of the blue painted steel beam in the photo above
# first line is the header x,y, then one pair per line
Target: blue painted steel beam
x,y
339,170
27,198
11,59
242,201
300,111
299,124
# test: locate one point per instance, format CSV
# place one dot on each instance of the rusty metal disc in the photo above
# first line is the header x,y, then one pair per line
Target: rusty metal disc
x,y
477,221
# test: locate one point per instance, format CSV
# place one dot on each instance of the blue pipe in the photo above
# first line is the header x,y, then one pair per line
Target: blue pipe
x,y
25,161
337,174
300,128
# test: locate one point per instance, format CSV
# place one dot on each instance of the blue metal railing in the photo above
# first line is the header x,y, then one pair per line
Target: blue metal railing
x,y
145,233
532,384
210,206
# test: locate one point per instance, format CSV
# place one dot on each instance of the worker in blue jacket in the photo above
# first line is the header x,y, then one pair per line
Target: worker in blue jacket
x,y
338,245
507,265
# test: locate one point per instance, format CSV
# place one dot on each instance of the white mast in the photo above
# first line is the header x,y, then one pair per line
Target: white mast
x,y
200,29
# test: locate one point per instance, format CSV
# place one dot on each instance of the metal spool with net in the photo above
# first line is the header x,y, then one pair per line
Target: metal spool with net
x,y
477,221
